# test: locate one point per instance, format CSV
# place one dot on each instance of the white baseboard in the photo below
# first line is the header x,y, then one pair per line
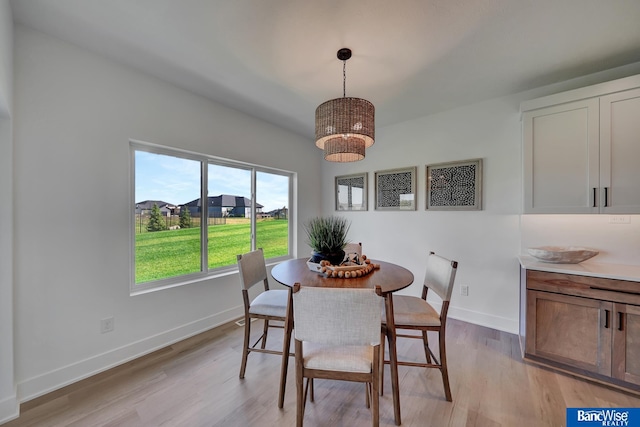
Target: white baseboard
x,y
494,322
61,377
482,319
9,408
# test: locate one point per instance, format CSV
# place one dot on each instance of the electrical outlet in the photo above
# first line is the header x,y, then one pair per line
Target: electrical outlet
x,y
106,325
619,219
464,290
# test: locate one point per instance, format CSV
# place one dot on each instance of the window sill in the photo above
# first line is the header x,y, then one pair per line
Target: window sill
x,y
199,278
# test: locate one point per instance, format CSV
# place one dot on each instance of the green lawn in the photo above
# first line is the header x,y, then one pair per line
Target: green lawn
x,y
171,253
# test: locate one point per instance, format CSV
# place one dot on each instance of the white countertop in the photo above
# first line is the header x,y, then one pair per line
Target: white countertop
x,y
591,269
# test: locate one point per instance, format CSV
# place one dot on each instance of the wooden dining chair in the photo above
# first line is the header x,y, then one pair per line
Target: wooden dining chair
x,y
337,336
270,304
415,313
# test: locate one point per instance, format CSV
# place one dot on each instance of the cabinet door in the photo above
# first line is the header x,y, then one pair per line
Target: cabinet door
x,y
569,330
626,343
561,152
620,152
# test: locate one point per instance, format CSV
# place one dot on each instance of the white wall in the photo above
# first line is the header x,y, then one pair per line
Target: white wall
x,y
74,115
8,398
485,243
6,57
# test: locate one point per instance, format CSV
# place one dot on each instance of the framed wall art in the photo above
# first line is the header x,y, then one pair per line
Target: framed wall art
x,y
396,189
455,185
351,192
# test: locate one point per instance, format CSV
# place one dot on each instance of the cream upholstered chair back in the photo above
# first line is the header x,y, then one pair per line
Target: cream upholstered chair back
x,y
440,275
252,269
337,336
337,316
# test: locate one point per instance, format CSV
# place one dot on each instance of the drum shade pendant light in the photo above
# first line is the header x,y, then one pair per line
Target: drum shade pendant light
x,y
345,126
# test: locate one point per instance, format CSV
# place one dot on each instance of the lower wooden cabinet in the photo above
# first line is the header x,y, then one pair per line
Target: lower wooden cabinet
x,y
588,326
626,343
570,330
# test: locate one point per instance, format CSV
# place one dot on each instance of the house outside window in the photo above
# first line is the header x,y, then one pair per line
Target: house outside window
x,y
178,239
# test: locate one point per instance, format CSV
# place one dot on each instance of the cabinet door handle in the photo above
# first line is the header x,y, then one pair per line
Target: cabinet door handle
x,y
606,196
620,320
607,313
594,196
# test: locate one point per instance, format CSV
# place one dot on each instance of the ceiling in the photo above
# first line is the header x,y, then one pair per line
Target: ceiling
x,y
276,59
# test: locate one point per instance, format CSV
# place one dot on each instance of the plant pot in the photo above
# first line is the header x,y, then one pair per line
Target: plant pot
x,y
336,258
316,257
333,258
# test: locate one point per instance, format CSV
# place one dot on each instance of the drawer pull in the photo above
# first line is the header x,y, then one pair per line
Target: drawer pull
x,y
594,197
607,313
606,196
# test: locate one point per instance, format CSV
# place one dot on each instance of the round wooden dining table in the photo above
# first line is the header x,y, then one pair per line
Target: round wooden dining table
x,y
390,277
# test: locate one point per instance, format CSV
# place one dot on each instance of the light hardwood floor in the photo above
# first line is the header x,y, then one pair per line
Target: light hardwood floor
x,y
195,383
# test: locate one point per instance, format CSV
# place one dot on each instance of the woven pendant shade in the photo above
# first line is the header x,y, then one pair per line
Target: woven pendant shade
x,y
345,116
345,126
344,149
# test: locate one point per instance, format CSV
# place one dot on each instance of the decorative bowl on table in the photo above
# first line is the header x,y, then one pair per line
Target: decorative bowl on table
x,y
562,254
313,266
346,270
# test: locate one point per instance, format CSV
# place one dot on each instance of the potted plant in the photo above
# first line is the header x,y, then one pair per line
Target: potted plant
x,y
327,237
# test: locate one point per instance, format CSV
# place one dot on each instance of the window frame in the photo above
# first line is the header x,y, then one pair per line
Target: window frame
x,y
205,160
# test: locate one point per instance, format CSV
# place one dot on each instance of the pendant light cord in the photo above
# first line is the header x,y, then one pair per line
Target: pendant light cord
x,y
344,78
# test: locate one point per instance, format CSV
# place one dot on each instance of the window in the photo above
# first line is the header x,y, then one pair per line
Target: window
x,y
178,238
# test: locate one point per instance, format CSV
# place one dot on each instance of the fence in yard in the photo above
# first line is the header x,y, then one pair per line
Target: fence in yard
x,y
171,221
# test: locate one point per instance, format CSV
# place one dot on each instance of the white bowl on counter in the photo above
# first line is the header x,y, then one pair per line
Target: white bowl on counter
x,y
562,254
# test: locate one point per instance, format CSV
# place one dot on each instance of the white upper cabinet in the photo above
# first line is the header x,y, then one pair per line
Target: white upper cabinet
x,y
620,152
561,158
581,150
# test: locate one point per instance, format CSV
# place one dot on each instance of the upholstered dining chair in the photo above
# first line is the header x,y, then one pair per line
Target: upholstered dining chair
x,y
415,313
268,305
337,336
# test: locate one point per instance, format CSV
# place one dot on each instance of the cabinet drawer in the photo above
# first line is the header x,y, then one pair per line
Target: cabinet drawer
x,y
620,291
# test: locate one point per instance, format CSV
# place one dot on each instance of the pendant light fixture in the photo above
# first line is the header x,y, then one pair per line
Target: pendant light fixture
x,y
345,126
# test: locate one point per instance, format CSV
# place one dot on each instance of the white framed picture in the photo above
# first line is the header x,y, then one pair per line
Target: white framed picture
x,y
454,185
351,192
396,189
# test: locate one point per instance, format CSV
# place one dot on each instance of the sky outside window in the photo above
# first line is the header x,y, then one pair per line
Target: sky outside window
x,y
177,181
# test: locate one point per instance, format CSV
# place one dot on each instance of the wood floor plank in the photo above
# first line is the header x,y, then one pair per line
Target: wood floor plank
x,y
195,383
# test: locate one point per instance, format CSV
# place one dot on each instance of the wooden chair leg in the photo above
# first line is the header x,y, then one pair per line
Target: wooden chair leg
x,y
367,393
300,401
286,348
245,348
284,366
375,395
425,341
443,367
265,330
383,337
375,407
312,397
393,358
300,390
